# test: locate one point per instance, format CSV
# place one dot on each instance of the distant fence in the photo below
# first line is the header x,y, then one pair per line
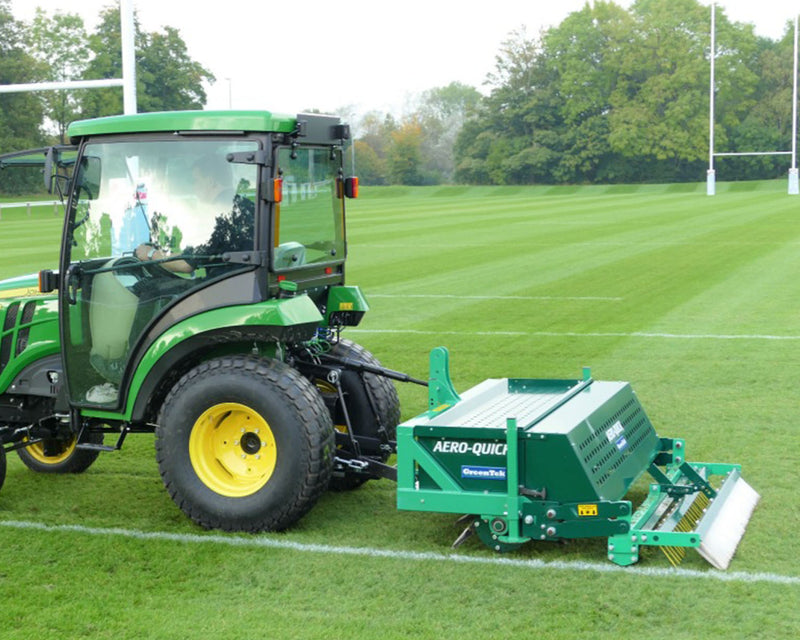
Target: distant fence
x,y
29,205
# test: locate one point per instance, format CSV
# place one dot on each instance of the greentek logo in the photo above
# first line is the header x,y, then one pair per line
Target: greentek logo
x,y
474,448
483,473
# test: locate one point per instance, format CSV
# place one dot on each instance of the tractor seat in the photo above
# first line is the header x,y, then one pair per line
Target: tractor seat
x,y
289,254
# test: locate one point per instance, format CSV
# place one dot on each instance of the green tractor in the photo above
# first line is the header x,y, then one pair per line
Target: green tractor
x,y
200,296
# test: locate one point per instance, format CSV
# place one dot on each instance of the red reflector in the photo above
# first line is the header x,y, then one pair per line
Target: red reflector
x,y
328,271
351,188
281,278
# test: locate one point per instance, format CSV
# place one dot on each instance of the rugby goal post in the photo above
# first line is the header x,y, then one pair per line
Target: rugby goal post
x,y
793,188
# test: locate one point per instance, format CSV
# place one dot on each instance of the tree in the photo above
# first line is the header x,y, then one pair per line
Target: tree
x,y
584,51
167,78
508,116
20,113
660,106
621,95
372,147
767,124
442,113
59,44
105,45
370,168
170,79
403,156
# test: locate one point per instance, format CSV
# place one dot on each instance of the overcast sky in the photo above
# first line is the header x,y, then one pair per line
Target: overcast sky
x,y
289,56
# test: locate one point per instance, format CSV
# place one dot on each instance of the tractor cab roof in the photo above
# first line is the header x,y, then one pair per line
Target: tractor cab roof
x,y
319,128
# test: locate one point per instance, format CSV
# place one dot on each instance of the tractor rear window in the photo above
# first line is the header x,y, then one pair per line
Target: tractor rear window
x,y
310,220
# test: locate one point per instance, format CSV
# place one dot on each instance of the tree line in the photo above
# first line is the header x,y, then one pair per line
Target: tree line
x,y
609,95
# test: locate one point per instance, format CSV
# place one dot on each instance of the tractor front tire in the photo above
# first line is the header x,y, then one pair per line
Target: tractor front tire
x,y
244,444
60,456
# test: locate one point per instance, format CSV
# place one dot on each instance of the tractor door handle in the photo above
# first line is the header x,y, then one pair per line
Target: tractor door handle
x,y
72,281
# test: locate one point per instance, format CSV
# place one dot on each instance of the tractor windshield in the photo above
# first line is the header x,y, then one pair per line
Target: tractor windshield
x,y
310,217
181,196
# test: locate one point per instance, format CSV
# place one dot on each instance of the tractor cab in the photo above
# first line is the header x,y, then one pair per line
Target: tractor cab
x,y
200,296
173,214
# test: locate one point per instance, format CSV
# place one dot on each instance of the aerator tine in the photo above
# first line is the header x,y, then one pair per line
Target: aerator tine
x,y
469,520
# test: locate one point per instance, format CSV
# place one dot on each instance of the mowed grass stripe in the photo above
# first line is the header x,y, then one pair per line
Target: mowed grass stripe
x,y
626,268
672,255
29,243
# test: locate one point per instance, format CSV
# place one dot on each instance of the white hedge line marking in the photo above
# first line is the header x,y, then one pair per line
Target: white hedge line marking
x,y
588,334
453,296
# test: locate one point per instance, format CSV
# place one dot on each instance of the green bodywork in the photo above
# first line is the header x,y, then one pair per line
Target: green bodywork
x,y
28,327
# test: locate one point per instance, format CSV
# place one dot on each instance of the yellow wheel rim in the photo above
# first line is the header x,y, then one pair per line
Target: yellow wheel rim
x,y
232,450
36,451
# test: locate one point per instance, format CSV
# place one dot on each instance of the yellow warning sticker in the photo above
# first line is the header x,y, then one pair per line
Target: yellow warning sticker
x,y
25,292
345,306
585,510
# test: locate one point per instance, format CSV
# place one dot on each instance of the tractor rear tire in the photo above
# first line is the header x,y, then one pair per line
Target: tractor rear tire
x,y
244,444
69,458
2,465
355,387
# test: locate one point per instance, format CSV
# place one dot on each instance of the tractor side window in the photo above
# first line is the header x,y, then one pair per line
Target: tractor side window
x,y
150,226
310,216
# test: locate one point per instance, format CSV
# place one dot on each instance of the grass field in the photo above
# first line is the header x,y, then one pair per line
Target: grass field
x,y
695,300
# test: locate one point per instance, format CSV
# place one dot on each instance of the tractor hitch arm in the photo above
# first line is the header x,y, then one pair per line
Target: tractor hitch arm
x,y
362,367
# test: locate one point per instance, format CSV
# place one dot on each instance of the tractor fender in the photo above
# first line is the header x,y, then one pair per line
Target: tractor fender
x,y
346,306
277,320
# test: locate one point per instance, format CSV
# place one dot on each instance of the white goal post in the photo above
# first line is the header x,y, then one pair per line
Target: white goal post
x,y
793,188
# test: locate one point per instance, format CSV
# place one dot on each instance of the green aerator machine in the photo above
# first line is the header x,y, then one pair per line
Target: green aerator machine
x,y
554,459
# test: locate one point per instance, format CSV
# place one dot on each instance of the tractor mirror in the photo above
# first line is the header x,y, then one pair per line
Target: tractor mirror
x,y
89,176
49,159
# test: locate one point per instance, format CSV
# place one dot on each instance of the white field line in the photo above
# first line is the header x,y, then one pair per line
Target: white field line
x,y
458,297
587,334
260,542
